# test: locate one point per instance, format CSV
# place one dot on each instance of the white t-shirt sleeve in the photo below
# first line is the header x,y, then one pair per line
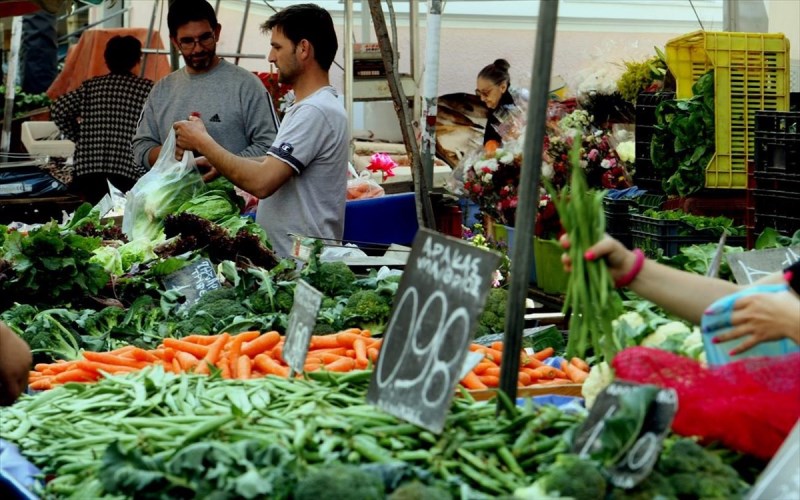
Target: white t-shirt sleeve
x,y
299,138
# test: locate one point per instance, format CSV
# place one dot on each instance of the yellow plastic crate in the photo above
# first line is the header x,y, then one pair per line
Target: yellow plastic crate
x,y
751,73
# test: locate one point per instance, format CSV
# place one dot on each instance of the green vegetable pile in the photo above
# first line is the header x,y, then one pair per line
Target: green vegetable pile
x,y
158,435
24,102
683,139
698,224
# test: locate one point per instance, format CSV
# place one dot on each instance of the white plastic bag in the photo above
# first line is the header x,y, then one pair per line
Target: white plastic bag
x,y
361,186
160,192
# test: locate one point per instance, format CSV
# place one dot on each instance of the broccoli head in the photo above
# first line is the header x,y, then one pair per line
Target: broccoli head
x,y
331,278
367,309
339,482
696,472
103,321
19,316
493,318
50,333
571,477
211,311
416,490
654,487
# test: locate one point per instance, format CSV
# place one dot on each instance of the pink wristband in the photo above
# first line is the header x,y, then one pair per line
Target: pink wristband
x,y
634,272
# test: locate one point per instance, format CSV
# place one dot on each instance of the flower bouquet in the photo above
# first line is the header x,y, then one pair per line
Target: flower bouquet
x,y
491,179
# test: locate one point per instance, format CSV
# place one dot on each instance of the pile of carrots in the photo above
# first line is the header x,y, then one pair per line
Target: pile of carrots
x,y
253,354
532,371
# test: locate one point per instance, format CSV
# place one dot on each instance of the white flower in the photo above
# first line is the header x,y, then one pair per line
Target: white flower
x,y
491,164
626,151
547,170
507,158
487,177
605,163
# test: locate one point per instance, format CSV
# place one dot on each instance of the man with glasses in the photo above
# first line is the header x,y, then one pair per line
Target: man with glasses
x,y
302,182
232,101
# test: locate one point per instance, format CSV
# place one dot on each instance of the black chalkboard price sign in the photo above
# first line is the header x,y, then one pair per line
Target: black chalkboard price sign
x,y
302,320
625,430
193,281
442,292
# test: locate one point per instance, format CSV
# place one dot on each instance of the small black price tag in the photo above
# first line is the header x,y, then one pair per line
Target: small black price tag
x,y
442,292
625,430
751,266
193,281
302,320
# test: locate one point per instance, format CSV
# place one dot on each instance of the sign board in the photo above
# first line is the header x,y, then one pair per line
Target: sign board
x,y
633,461
751,266
487,340
781,479
193,281
435,313
302,320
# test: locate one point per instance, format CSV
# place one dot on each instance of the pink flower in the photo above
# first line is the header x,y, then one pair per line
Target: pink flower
x,y
382,162
593,154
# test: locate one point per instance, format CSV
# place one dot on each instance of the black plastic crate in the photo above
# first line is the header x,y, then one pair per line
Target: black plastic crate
x,y
786,225
777,146
669,246
778,181
774,202
655,227
646,104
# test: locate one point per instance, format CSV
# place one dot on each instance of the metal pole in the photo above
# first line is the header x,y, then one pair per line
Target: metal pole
x,y
348,67
430,88
11,81
241,33
413,35
149,36
528,197
75,12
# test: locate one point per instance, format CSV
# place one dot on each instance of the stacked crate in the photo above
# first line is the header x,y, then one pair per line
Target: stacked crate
x,y
646,104
777,171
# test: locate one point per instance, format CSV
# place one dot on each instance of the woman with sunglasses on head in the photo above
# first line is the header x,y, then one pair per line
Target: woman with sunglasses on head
x,y
494,89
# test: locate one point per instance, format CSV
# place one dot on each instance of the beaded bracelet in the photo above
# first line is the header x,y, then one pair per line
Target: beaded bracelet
x,y
631,275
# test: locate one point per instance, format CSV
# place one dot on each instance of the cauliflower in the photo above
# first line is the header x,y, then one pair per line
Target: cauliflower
x,y
669,336
632,318
693,344
600,376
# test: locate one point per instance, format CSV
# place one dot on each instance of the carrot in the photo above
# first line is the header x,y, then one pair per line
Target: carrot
x,y
494,354
269,366
493,371
350,353
360,348
75,375
376,343
42,384
324,341
215,349
341,365
111,359
490,380
346,339
543,372
323,357
234,352
225,368
263,343
497,346
247,336
366,333
186,361
95,366
574,373
544,353
312,367
481,367
243,367
372,354
196,350
200,339
555,381
578,362
55,367
176,366
531,372
123,350
472,382
524,379
277,351
533,363
339,351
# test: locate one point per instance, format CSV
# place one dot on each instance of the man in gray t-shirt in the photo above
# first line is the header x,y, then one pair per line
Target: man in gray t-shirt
x,y
231,100
302,182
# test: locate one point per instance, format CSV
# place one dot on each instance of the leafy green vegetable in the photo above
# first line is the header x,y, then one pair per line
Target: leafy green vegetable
x,y
683,139
212,205
339,482
771,238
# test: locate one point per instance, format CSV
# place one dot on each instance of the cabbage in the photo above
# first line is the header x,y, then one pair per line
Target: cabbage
x,y
109,258
137,251
213,205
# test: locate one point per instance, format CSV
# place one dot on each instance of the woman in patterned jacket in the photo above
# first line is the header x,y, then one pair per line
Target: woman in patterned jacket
x,y
100,116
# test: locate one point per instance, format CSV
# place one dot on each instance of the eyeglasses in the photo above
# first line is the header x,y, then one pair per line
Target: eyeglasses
x,y
206,40
485,93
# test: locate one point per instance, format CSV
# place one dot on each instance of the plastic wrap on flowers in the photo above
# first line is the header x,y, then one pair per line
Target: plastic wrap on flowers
x,y
749,405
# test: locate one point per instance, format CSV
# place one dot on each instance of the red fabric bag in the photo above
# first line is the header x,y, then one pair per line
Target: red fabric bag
x,y
749,405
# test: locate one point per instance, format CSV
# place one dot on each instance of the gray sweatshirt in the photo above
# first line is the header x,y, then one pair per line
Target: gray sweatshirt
x,y
232,102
